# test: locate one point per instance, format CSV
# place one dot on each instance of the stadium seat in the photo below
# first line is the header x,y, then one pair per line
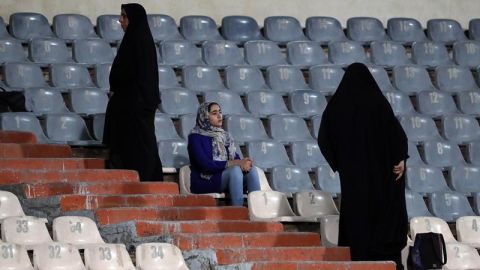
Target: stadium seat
x,y
71,27
57,256
430,54
304,54
460,128
178,101
282,29
263,53
329,230
267,154
425,179
324,29
265,103
92,51
381,77
23,121
243,79
327,180
467,230
173,153
365,29
440,153
9,205
76,230
285,79
474,29
46,51
412,79
344,53
16,257
271,206
449,205
419,128
26,231
315,120
445,30
184,184
11,50
167,78
67,128
325,79
70,76
230,102
164,128
202,78
469,102
314,203
240,29
435,103
416,206
290,180
163,27
414,158
474,152
467,53
464,179
306,154
159,256
222,53
102,76
108,28
187,122
108,256
288,128
98,124
3,29
199,28
245,128
400,102
405,30
454,79
460,256
29,25
19,76
431,224
307,103
88,101
43,101
388,54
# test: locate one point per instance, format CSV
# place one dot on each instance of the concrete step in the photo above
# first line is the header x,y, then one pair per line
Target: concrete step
x,y
12,176
17,137
51,163
15,150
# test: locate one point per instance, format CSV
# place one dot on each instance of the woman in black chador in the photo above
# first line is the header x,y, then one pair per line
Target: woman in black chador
x,y
129,123
362,140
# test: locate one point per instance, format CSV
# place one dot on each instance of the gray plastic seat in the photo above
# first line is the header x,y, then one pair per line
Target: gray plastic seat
x,y
282,29
324,29
400,103
419,128
435,103
288,128
290,180
325,79
474,29
177,101
29,25
306,154
199,28
388,54
441,153
414,156
474,152
263,103
263,53
46,51
3,29
267,154
180,53
222,53
430,54
163,27
345,53
167,78
467,53
70,27
464,179
229,101
202,78
11,50
243,79
19,76
187,122
92,51
102,76
454,79
23,121
449,206
412,79
425,179
327,180
285,79
381,78
445,30
70,76
416,206
469,102
88,101
305,54
108,28
164,128
98,125
405,30
67,128
240,29
306,103
173,153
365,29
42,101
460,128
245,128
316,120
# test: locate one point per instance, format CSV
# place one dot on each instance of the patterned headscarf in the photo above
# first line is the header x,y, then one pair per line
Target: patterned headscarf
x,y
221,138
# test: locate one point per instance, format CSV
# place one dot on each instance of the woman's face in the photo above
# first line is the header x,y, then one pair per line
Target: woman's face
x,y
215,116
123,20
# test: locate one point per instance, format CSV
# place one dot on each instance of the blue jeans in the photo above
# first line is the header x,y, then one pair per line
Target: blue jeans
x,y
236,181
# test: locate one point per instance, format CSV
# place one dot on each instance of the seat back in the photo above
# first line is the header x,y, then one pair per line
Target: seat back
x,y
286,128
70,76
306,103
264,103
163,27
463,178
180,53
57,256
229,101
187,122
263,53
445,30
388,53
324,29
173,153
76,230
440,153
325,79
290,179
425,179
240,29
306,154
199,28
400,102
431,224
411,79
416,206
102,76
222,53
14,257
429,53
10,205
98,125
267,154
365,29
23,121
202,78
23,75
107,256
455,79
468,102
245,128
285,79
11,51
327,180
44,51
92,51
345,53
43,101
178,102
467,53
405,30
381,77
108,28
449,205
66,127
244,79
305,54
467,230
268,205
414,156
460,128
314,203
29,25
460,256
282,29
474,152
329,228
435,103
159,256
164,128
3,29
73,26
26,230
419,128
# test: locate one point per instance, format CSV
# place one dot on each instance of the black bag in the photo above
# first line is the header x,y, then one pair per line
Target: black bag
x,y
428,252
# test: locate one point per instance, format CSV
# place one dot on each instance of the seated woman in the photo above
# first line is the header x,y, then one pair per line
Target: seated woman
x,y
215,165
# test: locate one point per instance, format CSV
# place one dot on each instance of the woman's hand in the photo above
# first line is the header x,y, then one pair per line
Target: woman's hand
x,y
399,169
247,164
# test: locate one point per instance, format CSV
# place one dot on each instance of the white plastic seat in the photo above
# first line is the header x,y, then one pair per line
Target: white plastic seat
x,y
76,230
57,256
27,231
159,256
9,205
108,256
468,230
314,204
431,224
329,230
14,257
461,256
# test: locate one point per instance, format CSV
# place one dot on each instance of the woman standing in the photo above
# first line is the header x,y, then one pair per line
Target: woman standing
x,y
129,130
